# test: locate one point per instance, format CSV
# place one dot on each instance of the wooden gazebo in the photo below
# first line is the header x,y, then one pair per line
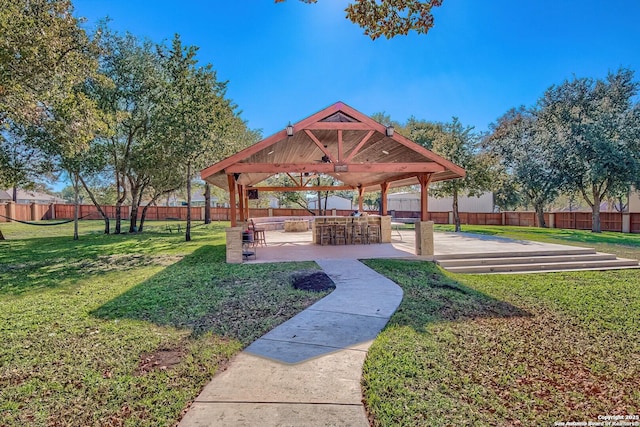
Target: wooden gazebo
x,y
339,141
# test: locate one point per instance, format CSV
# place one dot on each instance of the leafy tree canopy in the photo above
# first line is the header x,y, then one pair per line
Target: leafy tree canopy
x,y
390,18
594,131
43,54
516,142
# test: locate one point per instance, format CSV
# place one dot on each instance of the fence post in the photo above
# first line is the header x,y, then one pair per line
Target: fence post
x,y
552,220
333,212
270,211
11,209
626,222
35,212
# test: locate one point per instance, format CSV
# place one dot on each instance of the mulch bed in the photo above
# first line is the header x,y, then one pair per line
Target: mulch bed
x,y
315,281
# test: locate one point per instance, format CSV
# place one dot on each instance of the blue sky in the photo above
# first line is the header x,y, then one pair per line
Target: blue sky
x,y
286,61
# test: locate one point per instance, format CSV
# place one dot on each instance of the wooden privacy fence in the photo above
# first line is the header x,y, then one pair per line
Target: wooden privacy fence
x,y
609,221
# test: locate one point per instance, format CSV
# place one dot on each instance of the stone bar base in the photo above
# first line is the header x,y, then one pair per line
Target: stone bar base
x,y
385,229
293,225
234,245
424,238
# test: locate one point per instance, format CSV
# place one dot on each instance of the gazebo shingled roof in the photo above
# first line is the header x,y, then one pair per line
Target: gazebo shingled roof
x,y
338,141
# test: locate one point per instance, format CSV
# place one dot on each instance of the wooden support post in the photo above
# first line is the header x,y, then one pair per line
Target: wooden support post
x,y
246,203
384,187
360,198
232,199
425,180
241,202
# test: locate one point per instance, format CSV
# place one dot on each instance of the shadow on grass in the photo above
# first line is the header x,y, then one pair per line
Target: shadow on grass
x,y
204,294
430,296
37,264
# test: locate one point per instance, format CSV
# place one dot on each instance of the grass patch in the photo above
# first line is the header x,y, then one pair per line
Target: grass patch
x,y
125,329
505,349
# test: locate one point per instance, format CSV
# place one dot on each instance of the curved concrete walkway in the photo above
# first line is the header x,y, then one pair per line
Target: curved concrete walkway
x,y
307,371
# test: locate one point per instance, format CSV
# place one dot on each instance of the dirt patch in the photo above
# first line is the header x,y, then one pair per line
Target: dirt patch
x,y
160,360
315,281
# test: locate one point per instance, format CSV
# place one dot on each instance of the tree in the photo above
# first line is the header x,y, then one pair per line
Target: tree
x,y
74,123
390,18
195,117
44,56
594,129
289,198
23,164
516,142
506,191
128,100
460,145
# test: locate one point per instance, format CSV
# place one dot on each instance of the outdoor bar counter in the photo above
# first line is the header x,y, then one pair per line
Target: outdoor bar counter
x,y
351,230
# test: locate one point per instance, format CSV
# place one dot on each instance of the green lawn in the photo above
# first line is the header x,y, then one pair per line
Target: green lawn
x,y
510,349
125,329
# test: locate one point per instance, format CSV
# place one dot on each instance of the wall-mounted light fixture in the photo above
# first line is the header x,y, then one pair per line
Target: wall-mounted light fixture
x,y
289,129
389,131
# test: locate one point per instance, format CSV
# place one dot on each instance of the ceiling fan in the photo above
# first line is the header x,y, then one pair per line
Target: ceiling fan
x,y
324,158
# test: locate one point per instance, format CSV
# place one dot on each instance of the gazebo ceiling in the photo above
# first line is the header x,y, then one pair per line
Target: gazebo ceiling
x,y
337,141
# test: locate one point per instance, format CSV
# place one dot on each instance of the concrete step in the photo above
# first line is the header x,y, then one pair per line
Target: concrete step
x,y
545,267
553,258
542,252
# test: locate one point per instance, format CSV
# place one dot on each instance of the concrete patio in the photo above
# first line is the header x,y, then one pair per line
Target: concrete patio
x,y
458,252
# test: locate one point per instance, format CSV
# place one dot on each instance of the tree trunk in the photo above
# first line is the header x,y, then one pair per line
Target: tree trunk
x,y
319,199
187,233
14,195
326,199
456,214
143,216
122,195
97,205
207,203
133,219
135,203
76,190
540,215
595,212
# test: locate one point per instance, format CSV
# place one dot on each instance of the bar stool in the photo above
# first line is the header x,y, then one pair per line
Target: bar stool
x,y
326,235
340,234
259,237
373,233
358,235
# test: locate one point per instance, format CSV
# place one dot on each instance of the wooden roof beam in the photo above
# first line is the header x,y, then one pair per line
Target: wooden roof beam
x,y
337,126
305,188
320,145
273,168
359,146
